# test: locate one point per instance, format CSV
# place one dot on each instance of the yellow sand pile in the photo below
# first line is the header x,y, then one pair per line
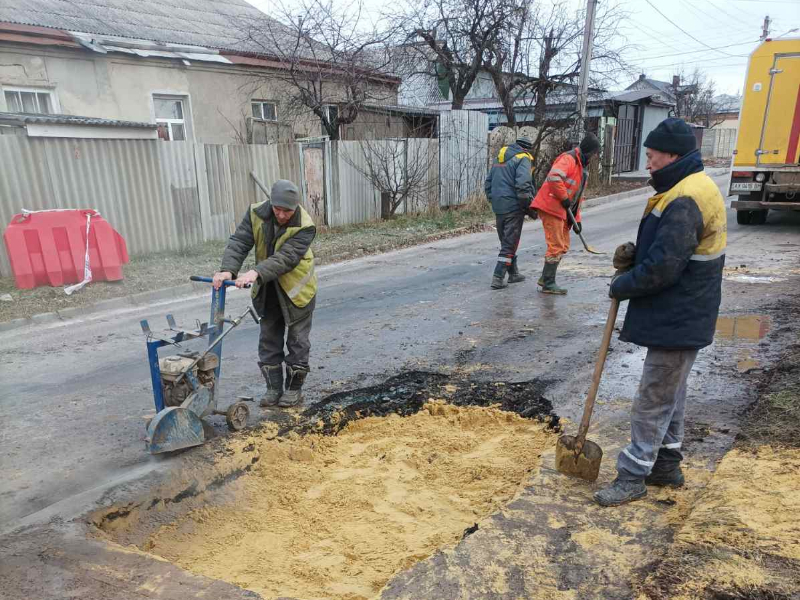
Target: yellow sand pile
x,y
743,533
336,517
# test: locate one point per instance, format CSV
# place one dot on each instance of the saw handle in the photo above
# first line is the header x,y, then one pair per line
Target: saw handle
x,y
598,371
226,283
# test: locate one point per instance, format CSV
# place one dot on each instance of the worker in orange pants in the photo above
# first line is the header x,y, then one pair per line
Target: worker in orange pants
x,y
562,190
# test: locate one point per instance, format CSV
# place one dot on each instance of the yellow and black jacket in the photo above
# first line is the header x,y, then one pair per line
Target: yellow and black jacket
x,y
283,255
509,184
675,286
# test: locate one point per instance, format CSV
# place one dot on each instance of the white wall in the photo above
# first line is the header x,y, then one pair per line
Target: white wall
x,y
653,115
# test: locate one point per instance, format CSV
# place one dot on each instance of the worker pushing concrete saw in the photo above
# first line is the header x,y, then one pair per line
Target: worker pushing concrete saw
x,y
284,287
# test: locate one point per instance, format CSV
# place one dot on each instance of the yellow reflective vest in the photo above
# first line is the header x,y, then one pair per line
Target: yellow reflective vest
x,y
299,284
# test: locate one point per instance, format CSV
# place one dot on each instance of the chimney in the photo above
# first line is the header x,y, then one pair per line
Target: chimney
x,y
642,77
676,81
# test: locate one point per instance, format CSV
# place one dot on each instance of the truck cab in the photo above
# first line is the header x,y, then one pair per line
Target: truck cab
x,y
765,174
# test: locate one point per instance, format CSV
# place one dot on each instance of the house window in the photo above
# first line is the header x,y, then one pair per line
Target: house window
x,y
170,118
266,111
22,100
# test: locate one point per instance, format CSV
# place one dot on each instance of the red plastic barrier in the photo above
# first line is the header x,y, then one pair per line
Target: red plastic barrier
x,y
49,248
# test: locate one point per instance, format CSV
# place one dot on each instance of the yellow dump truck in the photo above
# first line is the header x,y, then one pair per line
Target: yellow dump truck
x,y
766,169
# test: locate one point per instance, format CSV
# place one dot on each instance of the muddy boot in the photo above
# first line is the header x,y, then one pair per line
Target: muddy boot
x,y
667,470
273,375
549,279
673,478
621,491
514,276
296,377
499,275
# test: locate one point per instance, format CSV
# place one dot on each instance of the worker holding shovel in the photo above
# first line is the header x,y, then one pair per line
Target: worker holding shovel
x,y
672,278
284,287
562,192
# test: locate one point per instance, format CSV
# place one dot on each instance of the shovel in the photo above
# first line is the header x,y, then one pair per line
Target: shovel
x,y
575,228
575,455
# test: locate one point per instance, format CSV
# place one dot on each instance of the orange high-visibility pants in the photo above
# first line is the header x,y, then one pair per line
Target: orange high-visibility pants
x,y
556,234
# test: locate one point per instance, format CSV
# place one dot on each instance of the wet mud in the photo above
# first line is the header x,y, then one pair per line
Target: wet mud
x,y
405,394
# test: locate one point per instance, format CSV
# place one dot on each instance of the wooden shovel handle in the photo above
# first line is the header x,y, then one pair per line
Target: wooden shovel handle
x,y
598,371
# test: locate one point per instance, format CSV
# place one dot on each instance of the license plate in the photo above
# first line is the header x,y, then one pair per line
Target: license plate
x,y
750,186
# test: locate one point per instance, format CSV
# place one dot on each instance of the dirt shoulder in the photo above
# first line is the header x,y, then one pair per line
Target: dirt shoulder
x,y
742,538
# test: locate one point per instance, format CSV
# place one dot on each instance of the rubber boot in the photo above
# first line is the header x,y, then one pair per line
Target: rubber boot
x,y
621,491
549,279
273,375
514,276
499,275
296,377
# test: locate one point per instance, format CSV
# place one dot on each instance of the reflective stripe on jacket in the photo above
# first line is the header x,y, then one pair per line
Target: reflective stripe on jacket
x,y
509,184
565,180
299,284
675,286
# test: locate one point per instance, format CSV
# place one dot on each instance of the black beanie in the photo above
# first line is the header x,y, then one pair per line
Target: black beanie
x,y
673,136
589,144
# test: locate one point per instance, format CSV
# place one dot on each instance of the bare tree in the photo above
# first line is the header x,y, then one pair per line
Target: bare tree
x,y
400,169
539,52
330,60
696,98
449,38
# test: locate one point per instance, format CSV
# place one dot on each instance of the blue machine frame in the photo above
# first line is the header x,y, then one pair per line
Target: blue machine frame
x,y
213,331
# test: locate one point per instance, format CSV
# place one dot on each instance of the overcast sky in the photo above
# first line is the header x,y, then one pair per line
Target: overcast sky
x,y
715,35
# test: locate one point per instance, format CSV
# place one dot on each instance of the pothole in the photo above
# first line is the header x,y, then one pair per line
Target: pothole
x,y
368,483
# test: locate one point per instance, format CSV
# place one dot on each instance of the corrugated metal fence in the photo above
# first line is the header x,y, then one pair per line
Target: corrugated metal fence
x,y
167,196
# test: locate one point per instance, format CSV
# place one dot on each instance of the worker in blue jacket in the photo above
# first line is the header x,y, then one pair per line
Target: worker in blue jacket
x,y
509,188
672,279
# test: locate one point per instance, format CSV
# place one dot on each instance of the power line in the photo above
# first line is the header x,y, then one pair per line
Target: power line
x,y
683,30
646,58
768,1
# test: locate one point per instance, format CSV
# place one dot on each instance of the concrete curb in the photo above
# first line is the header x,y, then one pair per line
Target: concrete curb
x,y
188,289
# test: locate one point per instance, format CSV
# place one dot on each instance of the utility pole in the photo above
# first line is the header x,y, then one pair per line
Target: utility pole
x,y
765,30
586,58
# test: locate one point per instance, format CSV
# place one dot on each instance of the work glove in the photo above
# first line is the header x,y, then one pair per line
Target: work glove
x,y
565,203
624,256
614,277
578,227
532,213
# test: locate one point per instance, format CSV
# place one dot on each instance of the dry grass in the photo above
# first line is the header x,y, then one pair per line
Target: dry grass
x,y
170,269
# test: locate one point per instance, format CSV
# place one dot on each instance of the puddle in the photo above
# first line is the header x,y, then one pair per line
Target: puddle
x,y
743,332
746,328
368,483
753,279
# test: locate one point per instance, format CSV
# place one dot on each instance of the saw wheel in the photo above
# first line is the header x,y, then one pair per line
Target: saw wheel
x,y
236,416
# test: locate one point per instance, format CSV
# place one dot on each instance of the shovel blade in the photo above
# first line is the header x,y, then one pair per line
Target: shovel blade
x,y
593,251
585,465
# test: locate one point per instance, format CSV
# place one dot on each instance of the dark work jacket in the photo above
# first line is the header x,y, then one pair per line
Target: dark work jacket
x,y
509,184
675,285
277,263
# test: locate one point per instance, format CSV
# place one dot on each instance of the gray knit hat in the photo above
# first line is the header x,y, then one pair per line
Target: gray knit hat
x,y
285,195
525,142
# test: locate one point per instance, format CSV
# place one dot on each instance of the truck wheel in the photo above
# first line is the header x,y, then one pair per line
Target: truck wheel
x,y
743,217
758,217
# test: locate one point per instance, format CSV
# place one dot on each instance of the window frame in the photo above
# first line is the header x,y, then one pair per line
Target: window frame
x,y
185,122
261,102
51,94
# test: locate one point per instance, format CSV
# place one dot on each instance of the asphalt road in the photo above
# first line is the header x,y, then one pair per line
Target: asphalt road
x,y
75,396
